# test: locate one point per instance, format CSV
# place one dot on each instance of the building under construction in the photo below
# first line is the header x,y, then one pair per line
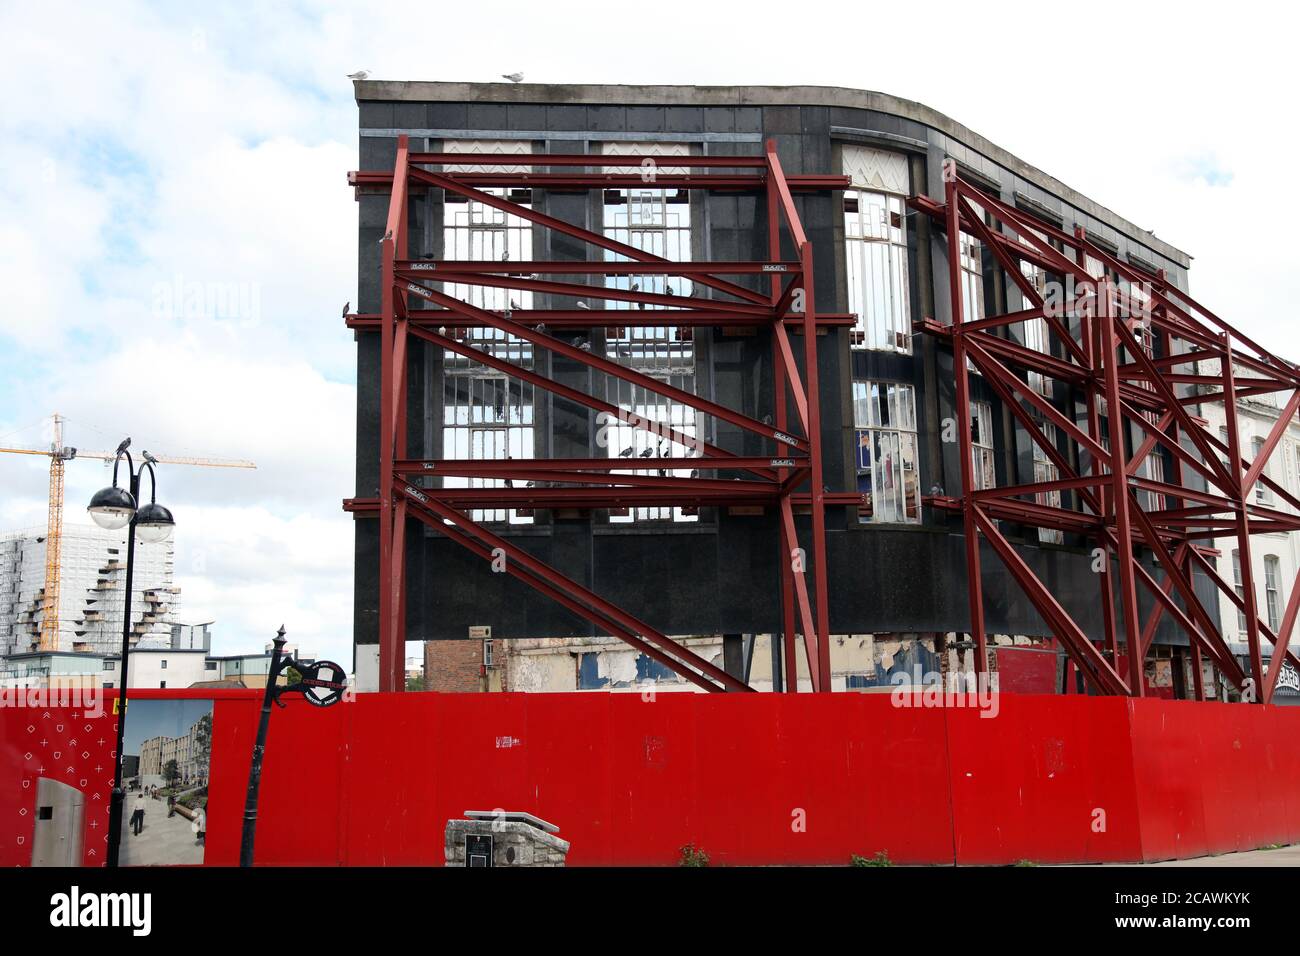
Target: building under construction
x,y
674,367
92,566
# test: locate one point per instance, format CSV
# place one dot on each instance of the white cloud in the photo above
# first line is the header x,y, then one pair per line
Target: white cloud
x,y
252,570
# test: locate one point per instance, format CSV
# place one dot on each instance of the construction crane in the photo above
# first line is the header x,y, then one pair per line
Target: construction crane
x,y
59,454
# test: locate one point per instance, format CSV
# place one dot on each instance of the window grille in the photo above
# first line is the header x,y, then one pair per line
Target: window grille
x,y
487,415
658,221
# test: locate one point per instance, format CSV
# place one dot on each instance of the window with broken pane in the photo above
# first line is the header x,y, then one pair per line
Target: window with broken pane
x,y
884,416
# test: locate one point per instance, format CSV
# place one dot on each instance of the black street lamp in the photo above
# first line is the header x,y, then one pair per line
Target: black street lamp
x,y
114,508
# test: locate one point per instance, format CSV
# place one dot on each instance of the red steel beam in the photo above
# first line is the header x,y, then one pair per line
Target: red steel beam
x,y
560,597
576,232
609,367
506,467
817,488
597,609
1072,637
720,182
556,160
586,267
392,649
1139,392
602,318
974,572
573,394
580,291
596,483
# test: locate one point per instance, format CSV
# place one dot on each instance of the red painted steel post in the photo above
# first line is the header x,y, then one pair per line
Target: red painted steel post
x,y
1109,357
1198,669
386,414
818,487
1176,478
791,653
974,576
397,657
1091,348
1243,520
392,380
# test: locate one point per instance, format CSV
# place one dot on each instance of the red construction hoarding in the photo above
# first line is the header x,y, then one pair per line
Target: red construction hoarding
x,y
752,779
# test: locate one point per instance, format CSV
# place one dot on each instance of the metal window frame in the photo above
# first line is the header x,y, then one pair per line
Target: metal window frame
x,y
1273,588
984,448
874,427
669,342
472,376
895,251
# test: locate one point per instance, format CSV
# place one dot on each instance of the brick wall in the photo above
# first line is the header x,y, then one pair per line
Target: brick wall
x,y
453,666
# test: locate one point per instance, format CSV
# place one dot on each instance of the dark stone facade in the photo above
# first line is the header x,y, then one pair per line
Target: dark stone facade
x,y
720,576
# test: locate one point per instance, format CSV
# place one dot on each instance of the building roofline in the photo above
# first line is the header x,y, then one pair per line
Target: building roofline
x,y
28,655
154,650
683,95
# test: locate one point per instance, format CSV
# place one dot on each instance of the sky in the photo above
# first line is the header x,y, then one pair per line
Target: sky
x,y
177,239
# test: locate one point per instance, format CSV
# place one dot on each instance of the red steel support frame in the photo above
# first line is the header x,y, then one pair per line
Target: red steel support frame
x,y
1125,391
772,481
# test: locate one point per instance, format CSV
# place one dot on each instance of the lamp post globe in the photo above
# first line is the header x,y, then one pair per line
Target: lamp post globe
x,y
112,508
154,523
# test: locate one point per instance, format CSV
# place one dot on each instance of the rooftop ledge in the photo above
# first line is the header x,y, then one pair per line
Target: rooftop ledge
x,y
678,95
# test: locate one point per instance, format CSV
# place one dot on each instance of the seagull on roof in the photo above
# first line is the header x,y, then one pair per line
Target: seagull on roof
x,y
346,305
513,77
359,75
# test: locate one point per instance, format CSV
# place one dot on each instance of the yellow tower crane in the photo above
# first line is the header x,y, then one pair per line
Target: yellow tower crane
x,y
59,453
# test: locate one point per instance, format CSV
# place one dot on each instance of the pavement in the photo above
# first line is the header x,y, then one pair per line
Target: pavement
x,y
163,840
1282,856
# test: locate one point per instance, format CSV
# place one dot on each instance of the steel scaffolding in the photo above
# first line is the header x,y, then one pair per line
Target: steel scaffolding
x,y
1138,356
1118,338
414,304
